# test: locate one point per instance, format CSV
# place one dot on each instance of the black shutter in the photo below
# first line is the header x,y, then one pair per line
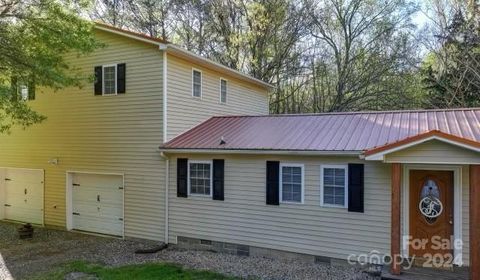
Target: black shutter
x,y
182,177
14,88
273,172
98,80
31,89
121,77
355,187
218,179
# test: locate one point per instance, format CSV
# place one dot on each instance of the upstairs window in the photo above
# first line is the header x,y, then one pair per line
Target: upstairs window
x,y
223,91
200,178
291,183
109,79
196,83
334,186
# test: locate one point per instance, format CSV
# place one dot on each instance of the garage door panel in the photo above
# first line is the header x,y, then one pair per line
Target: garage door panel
x,y
23,190
98,203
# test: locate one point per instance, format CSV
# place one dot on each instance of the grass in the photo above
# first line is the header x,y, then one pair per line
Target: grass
x,y
132,272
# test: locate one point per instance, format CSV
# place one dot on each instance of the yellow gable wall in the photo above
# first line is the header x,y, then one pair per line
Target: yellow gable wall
x,y
117,134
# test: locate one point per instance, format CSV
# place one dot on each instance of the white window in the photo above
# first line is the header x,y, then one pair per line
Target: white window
x,y
24,92
196,83
109,79
334,190
223,91
200,178
291,183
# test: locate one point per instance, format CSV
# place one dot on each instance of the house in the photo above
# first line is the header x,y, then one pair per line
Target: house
x,y
94,164
156,153
338,185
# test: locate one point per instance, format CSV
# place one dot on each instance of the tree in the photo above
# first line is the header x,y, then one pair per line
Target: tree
x,y
150,16
35,35
364,47
452,69
113,12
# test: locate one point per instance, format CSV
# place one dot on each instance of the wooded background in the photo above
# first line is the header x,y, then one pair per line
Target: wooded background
x,y
326,55
321,55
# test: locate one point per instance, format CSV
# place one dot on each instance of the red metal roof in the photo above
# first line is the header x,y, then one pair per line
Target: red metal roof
x,y
358,131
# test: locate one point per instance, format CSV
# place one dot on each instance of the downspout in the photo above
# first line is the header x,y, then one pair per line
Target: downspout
x,y
163,47
167,178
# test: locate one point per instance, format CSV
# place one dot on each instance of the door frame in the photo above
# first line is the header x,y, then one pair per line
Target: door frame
x,y
3,173
457,205
69,198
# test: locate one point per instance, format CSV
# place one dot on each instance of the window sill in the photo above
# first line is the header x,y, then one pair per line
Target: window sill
x,y
333,206
200,195
291,202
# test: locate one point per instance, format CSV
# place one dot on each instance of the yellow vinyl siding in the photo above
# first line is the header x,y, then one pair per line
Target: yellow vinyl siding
x,y
185,111
244,217
103,134
436,152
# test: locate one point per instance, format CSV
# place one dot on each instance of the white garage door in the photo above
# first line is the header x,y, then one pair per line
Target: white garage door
x,y
23,199
97,203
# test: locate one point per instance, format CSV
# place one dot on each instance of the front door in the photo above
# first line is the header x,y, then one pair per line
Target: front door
x,y
431,214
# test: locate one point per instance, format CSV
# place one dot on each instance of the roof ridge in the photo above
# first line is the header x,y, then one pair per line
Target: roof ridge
x,y
351,113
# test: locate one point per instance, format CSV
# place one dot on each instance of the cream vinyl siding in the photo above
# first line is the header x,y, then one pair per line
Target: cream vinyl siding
x,y
244,217
101,134
185,111
434,151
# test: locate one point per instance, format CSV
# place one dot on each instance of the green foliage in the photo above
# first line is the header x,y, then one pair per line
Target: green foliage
x,y
451,74
35,35
145,271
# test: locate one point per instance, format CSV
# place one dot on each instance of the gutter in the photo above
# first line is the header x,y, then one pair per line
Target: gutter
x,y
259,152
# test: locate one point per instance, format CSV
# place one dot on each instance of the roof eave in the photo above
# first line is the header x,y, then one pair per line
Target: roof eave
x,y
174,49
257,152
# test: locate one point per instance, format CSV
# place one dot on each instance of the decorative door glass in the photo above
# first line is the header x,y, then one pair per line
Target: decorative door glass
x,y
430,204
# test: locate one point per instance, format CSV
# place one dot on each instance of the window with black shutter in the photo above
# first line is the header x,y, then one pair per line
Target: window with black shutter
x,y
110,79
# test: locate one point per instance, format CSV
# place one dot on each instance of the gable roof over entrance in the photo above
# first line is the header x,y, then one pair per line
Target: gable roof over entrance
x,y
357,132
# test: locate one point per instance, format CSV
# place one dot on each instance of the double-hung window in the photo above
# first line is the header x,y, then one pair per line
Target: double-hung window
x,y
109,79
223,91
200,178
334,186
196,83
291,183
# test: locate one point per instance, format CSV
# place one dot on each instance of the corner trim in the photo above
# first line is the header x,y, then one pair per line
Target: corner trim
x,y
165,97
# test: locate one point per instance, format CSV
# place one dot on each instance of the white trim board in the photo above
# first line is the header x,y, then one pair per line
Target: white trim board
x,y
457,204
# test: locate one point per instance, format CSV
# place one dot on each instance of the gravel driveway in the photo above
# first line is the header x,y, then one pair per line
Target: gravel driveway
x,y
50,248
